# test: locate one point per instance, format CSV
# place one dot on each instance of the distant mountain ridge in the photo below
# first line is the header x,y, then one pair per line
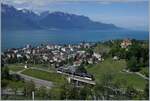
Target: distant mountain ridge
x,y
14,19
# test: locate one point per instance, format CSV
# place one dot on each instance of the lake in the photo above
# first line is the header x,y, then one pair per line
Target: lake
x,y
16,39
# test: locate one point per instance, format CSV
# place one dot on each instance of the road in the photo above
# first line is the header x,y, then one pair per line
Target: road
x,y
38,82
146,78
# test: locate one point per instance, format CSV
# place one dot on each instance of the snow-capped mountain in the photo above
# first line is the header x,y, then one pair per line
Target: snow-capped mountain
x,y
14,19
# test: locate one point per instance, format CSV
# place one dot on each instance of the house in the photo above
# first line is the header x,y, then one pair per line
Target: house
x,y
33,51
90,61
19,55
97,55
48,47
63,49
55,59
15,51
115,58
45,57
81,52
77,63
126,43
28,46
25,66
86,45
27,56
9,55
28,52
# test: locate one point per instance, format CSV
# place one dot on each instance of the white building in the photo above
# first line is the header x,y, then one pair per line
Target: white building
x,y
115,58
19,55
97,55
63,49
126,43
28,46
45,58
25,66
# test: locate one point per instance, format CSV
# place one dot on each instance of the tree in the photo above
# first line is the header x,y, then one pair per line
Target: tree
x,y
4,83
81,69
15,77
132,64
104,89
69,92
146,91
14,87
84,93
2,61
29,88
55,93
73,93
70,61
130,93
5,73
99,92
90,51
24,58
42,92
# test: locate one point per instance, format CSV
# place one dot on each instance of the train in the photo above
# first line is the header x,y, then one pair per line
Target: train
x,y
86,76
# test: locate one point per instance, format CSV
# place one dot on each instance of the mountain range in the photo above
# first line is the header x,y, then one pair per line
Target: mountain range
x,y
14,19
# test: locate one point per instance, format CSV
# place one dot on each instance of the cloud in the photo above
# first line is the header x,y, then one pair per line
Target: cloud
x,y
30,2
38,5
45,2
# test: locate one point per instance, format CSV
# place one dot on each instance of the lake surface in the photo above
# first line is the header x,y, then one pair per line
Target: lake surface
x,y
16,39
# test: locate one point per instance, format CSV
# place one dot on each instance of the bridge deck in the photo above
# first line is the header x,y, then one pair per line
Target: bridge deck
x,y
78,78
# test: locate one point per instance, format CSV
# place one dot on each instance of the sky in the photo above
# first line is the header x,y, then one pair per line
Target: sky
x,y
131,14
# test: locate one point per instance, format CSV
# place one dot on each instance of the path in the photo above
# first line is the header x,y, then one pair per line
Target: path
x,y
137,73
38,82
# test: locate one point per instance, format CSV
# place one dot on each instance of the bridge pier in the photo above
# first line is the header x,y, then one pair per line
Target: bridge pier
x,y
79,81
69,79
76,82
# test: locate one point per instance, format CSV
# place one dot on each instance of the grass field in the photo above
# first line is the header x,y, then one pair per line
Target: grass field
x,y
111,66
39,65
145,71
43,66
54,77
16,67
131,80
16,84
13,84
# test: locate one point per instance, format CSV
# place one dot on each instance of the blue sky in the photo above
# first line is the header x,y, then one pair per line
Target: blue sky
x,y
131,14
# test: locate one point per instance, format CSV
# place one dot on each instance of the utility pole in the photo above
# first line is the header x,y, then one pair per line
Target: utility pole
x,y
32,95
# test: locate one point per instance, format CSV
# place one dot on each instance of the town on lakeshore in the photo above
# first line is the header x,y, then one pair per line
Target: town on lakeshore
x,y
53,65
65,58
